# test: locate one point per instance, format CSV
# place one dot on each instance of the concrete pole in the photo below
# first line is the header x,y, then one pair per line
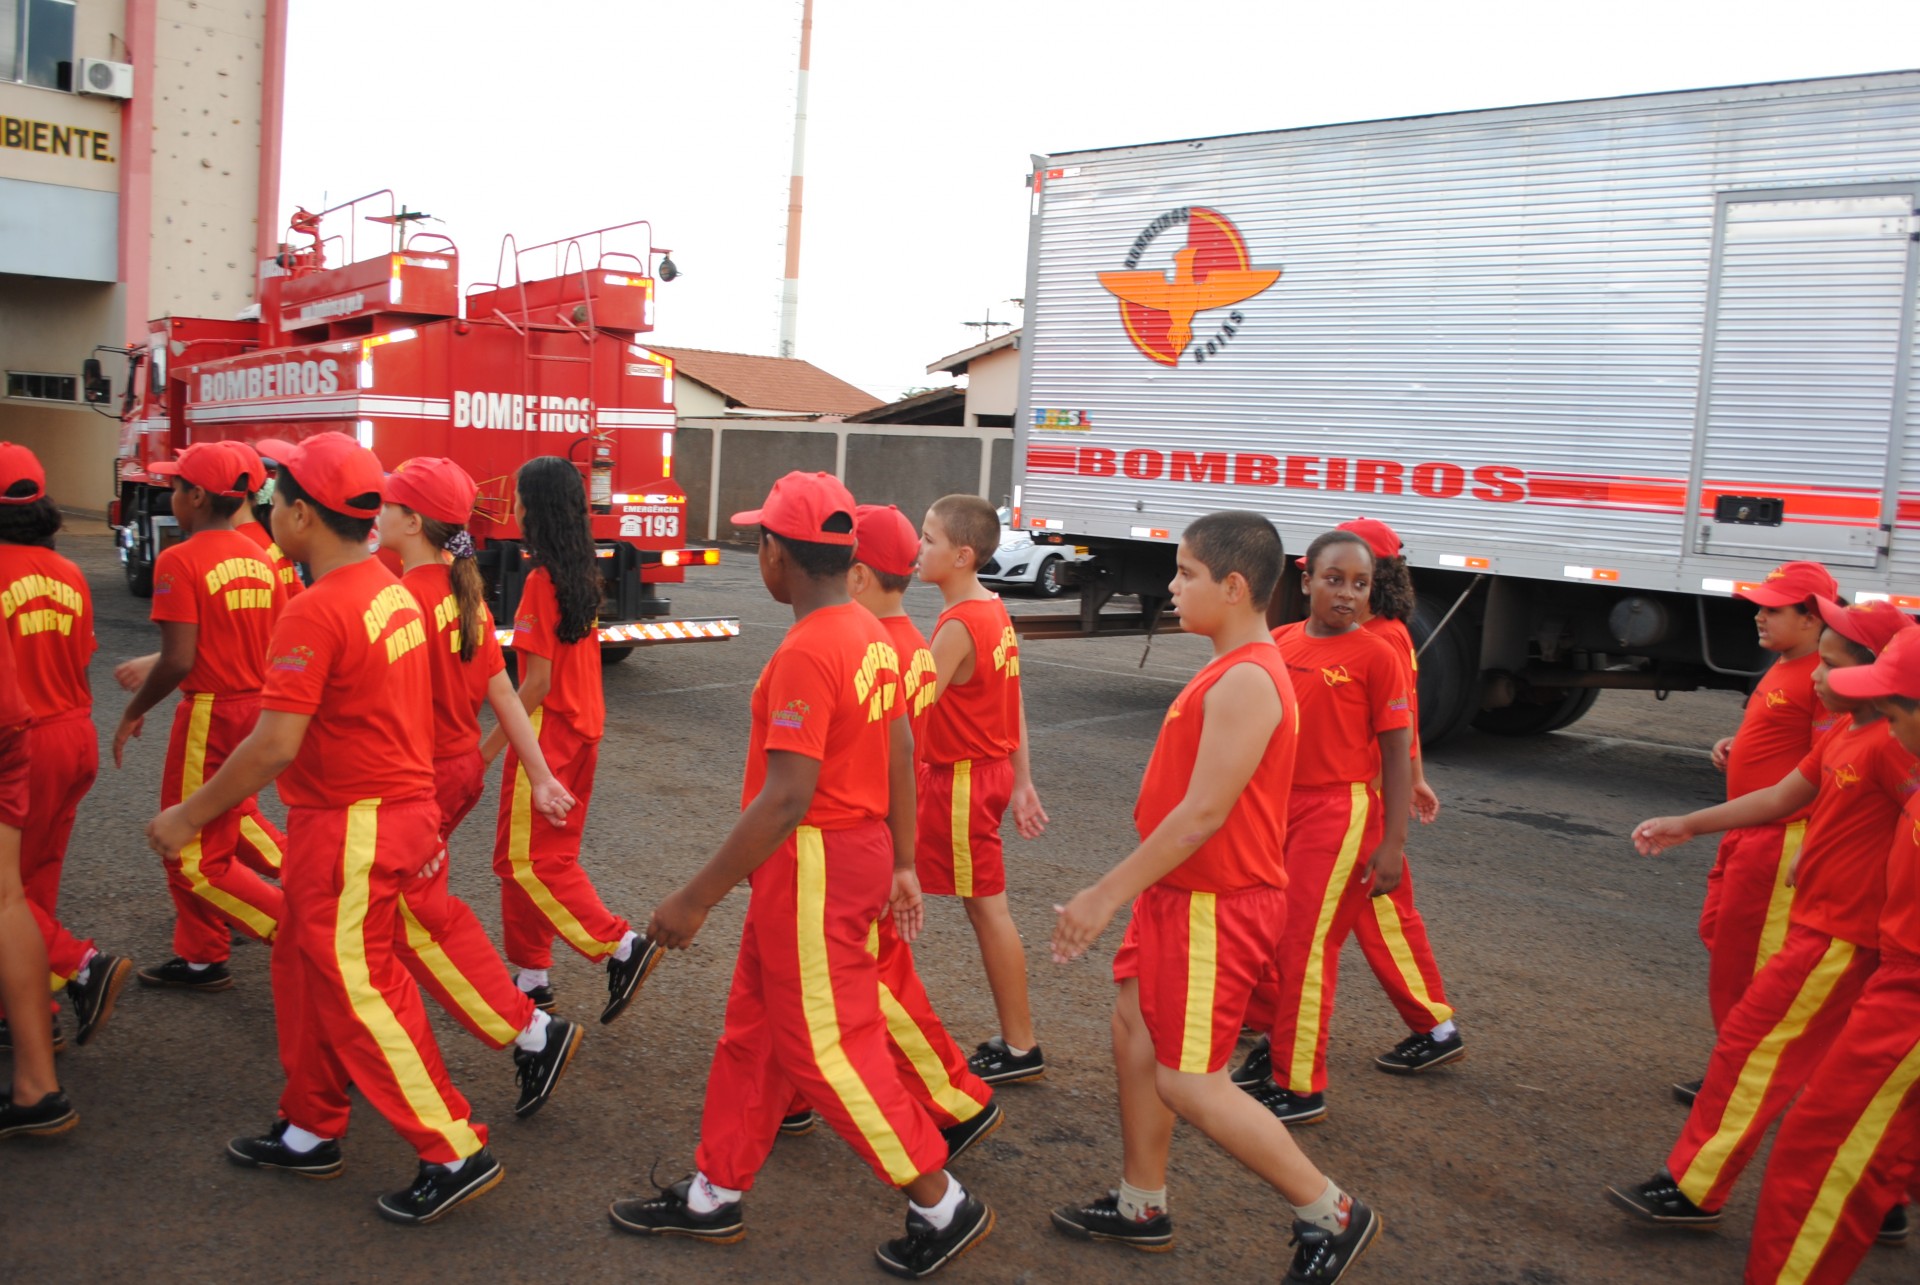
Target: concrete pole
x,y
790,286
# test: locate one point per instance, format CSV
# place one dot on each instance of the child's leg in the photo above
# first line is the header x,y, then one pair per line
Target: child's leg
x,y
1394,938
1330,834
210,889
1146,1122
541,861
1749,909
1243,1128
443,945
1005,958
931,1065
65,759
262,844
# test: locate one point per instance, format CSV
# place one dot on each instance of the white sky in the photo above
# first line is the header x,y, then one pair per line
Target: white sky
x,y
552,117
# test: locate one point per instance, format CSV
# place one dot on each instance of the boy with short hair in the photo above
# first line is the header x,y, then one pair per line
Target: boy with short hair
x,y
973,765
824,837
1209,908
346,726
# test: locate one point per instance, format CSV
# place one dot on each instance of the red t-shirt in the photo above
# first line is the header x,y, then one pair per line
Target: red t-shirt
x,y
459,687
218,582
917,678
14,713
1900,920
289,575
1245,852
1394,633
1778,729
980,718
352,653
49,614
1351,688
1865,779
575,698
830,692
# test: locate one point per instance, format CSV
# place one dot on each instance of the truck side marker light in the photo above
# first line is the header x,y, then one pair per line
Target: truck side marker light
x,y
1902,601
1589,573
1465,563
1147,533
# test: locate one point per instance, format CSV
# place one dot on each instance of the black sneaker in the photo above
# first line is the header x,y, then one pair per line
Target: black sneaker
x,y
93,1001
50,1115
1257,1067
668,1214
1421,1052
995,1065
923,1251
1321,1257
539,1072
437,1191
542,997
1893,1228
59,1036
1102,1220
963,1135
177,975
1660,1200
269,1151
1289,1107
625,977
799,1123
1685,1092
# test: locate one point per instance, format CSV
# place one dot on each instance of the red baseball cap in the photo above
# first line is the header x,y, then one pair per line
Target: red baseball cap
x,y
799,507
1871,624
17,465
1380,537
1895,673
885,539
211,466
335,470
1790,583
434,488
256,467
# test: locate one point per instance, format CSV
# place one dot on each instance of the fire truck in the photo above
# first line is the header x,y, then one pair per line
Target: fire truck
x,y
545,360
1601,364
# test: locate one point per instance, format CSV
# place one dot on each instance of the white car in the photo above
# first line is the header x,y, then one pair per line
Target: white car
x,y
1020,562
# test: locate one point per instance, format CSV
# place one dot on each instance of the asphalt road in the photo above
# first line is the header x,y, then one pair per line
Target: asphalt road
x,y
1573,962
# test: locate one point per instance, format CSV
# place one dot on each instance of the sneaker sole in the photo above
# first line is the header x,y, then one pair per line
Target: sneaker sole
x,y
164,984
717,1236
115,983
1897,1238
1306,1117
952,1256
999,1118
1360,1250
47,1130
1145,1244
1624,1202
320,1174
1684,1095
1014,1077
576,1036
799,1130
1396,1068
548,1007
618,1005
480,1186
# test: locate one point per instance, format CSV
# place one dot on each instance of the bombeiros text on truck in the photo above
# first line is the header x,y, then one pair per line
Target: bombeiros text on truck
x,y
1599,363
545,360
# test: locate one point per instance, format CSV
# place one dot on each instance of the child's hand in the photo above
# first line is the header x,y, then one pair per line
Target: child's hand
x,y
1721,748
676,921
128,729
1426,804
433,867
1384,869
171,831
551,800
904,904
1793,870
130,674
1080,921
1651,838
1029,818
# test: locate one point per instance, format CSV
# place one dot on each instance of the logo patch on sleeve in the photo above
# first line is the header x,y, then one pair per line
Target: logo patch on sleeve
x,y
792,715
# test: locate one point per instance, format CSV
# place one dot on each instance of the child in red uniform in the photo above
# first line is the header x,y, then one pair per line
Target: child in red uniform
x,y
973,767
254,527
216,601
346,725
1346,819
1207,884
424,523
1857,779
48,611
825,838
1744,918
543,889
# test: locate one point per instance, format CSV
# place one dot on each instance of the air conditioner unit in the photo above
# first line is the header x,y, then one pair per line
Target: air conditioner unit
x,y
106,79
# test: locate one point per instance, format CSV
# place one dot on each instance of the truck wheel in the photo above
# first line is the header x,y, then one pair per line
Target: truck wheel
x,y
1046,581
139,577
1538,712
1449,670
614,655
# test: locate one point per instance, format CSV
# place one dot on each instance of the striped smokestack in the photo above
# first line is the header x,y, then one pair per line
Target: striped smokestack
x,y
790,286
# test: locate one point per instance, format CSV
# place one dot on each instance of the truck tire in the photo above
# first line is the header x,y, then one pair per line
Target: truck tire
x,y
1449,677
1046,581
139,576
614,655
1538,712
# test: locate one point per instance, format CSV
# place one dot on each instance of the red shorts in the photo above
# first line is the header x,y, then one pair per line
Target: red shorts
x,y
1198,956
458,782
14,794
959,805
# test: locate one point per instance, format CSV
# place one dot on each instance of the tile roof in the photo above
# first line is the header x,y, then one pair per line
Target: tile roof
x,y
769,383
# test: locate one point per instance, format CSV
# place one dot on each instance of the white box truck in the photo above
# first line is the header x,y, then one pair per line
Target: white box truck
x,y
1600,363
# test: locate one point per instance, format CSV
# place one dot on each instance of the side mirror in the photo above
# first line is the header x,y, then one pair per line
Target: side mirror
x,y
99,389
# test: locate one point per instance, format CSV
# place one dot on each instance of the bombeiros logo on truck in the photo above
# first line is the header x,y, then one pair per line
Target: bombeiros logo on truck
x,y
1212,271
274,379
522,412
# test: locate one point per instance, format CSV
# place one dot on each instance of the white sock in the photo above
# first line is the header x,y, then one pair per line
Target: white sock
x,y
1330,1211
298,1140
1443,1032
941,1213
1140,1203
1011,1050
86,966
626,946
198,968
534,1038
704,1196
531,979
456,1166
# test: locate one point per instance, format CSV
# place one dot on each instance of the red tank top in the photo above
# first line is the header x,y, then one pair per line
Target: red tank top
x,y
980,718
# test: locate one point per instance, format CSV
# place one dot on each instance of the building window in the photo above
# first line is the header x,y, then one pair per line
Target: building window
x,y
41,388
36,42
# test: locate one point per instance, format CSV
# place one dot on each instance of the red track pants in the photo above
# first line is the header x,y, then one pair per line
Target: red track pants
x,y
63,760
1850,1147
1743,922
804,1014
1768,1047
1394,938
345,1008
210,887
543,890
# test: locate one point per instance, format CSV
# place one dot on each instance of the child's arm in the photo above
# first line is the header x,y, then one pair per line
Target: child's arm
x,y
909,914
1426,804
1242,711
763,826
179,643
550,798
1722,748
952,657
1029,818
1389,861
131,673
266,752
536,680
1791,794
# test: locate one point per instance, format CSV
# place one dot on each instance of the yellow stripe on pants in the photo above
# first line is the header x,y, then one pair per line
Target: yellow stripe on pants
x,y
1773,935
193,775
1203,963
960,825
459,989
1313,992
369,1005
256,834
520,856
823,1013
911,1040
1387,915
